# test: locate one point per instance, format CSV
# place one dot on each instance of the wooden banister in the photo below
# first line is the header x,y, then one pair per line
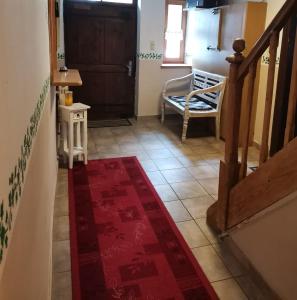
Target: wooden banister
x,y
269,97
290,126
236,189
272,182
230,169
276,26
283,86
247,126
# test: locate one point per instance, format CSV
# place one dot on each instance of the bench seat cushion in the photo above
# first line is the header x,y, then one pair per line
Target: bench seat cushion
x,y
196,103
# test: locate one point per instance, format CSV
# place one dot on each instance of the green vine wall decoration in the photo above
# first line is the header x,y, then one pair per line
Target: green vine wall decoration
x,y
17,176
266,60
149,56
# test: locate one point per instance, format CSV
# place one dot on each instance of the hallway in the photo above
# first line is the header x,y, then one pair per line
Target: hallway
x,y
186,178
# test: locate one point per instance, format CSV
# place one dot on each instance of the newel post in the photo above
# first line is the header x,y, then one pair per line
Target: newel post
x,y
229,169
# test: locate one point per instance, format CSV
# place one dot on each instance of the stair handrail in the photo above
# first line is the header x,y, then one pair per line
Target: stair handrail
x,y
231,170
262,44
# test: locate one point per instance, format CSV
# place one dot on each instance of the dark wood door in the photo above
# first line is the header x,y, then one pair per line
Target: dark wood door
x,y
100,41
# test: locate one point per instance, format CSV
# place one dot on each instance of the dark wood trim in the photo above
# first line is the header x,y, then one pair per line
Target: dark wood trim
x,y
273,181
283,87
229,169
52,21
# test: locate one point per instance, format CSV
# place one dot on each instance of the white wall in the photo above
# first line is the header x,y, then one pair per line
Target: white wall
x,y
273,6
270,244
150,76
25,270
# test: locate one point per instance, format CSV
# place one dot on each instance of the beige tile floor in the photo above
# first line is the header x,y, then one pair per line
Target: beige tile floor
x,y
186,177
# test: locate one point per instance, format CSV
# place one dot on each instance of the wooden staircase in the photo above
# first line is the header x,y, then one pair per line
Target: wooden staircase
x,y
242,196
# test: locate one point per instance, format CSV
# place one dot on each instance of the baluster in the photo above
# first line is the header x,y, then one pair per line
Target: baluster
x,y
247,126
229,170
291,117
269,95
283,87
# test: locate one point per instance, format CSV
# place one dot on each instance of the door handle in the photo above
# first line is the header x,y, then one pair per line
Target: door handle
x,y
130,68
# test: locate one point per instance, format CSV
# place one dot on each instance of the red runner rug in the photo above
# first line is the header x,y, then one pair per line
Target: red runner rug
x,y
124,244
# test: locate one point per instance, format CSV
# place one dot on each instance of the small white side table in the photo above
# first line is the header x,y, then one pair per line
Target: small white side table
x,y
74,121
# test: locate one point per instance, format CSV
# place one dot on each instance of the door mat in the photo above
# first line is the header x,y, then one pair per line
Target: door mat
x,y
109,123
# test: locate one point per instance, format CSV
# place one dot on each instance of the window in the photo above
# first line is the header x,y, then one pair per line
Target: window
x,y
116,1
120,1
175,31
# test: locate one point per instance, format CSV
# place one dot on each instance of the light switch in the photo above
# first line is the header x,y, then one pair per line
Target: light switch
x,y
152,45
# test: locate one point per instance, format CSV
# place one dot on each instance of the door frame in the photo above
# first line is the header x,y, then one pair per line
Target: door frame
x,y
52,26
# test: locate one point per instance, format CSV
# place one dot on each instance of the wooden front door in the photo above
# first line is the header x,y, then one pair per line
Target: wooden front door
x,y
100,41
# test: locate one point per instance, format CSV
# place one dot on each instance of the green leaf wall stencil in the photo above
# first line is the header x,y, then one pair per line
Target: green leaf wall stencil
x,y
17,176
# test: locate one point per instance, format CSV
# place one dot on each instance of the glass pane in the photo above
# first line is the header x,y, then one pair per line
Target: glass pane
x,y
174,33
172,48
119,1
175,14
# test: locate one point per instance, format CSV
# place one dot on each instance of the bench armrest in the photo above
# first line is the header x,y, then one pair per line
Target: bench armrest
x,y
175,81
215,88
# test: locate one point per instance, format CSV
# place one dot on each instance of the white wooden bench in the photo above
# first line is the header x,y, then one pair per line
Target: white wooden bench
x,y
197,95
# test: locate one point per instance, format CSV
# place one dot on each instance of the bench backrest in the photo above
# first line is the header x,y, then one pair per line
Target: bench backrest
x,y
202,80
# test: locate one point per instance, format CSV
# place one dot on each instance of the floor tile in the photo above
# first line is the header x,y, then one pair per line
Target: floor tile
x,y
101,132
167,163
62,188
196,142
229,290
189,189
191,160
166,193
213,158
250,289
177,175
197,207
152,145
122,130
177,211
201,172
61,206
104,141
211,264
156,177
149,165
130,147
211,185
229,260
180,150
192,234
61,228
140,155
61,256
124,139
62,287
158,153
209,233
204,149
109,149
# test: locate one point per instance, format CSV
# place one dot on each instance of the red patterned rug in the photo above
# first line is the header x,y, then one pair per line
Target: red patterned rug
x,y
124,244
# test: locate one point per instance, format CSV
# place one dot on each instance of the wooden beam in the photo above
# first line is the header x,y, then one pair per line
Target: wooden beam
x,y
269,96
272,182
292,106
247,126
52,22
230,167
283,86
